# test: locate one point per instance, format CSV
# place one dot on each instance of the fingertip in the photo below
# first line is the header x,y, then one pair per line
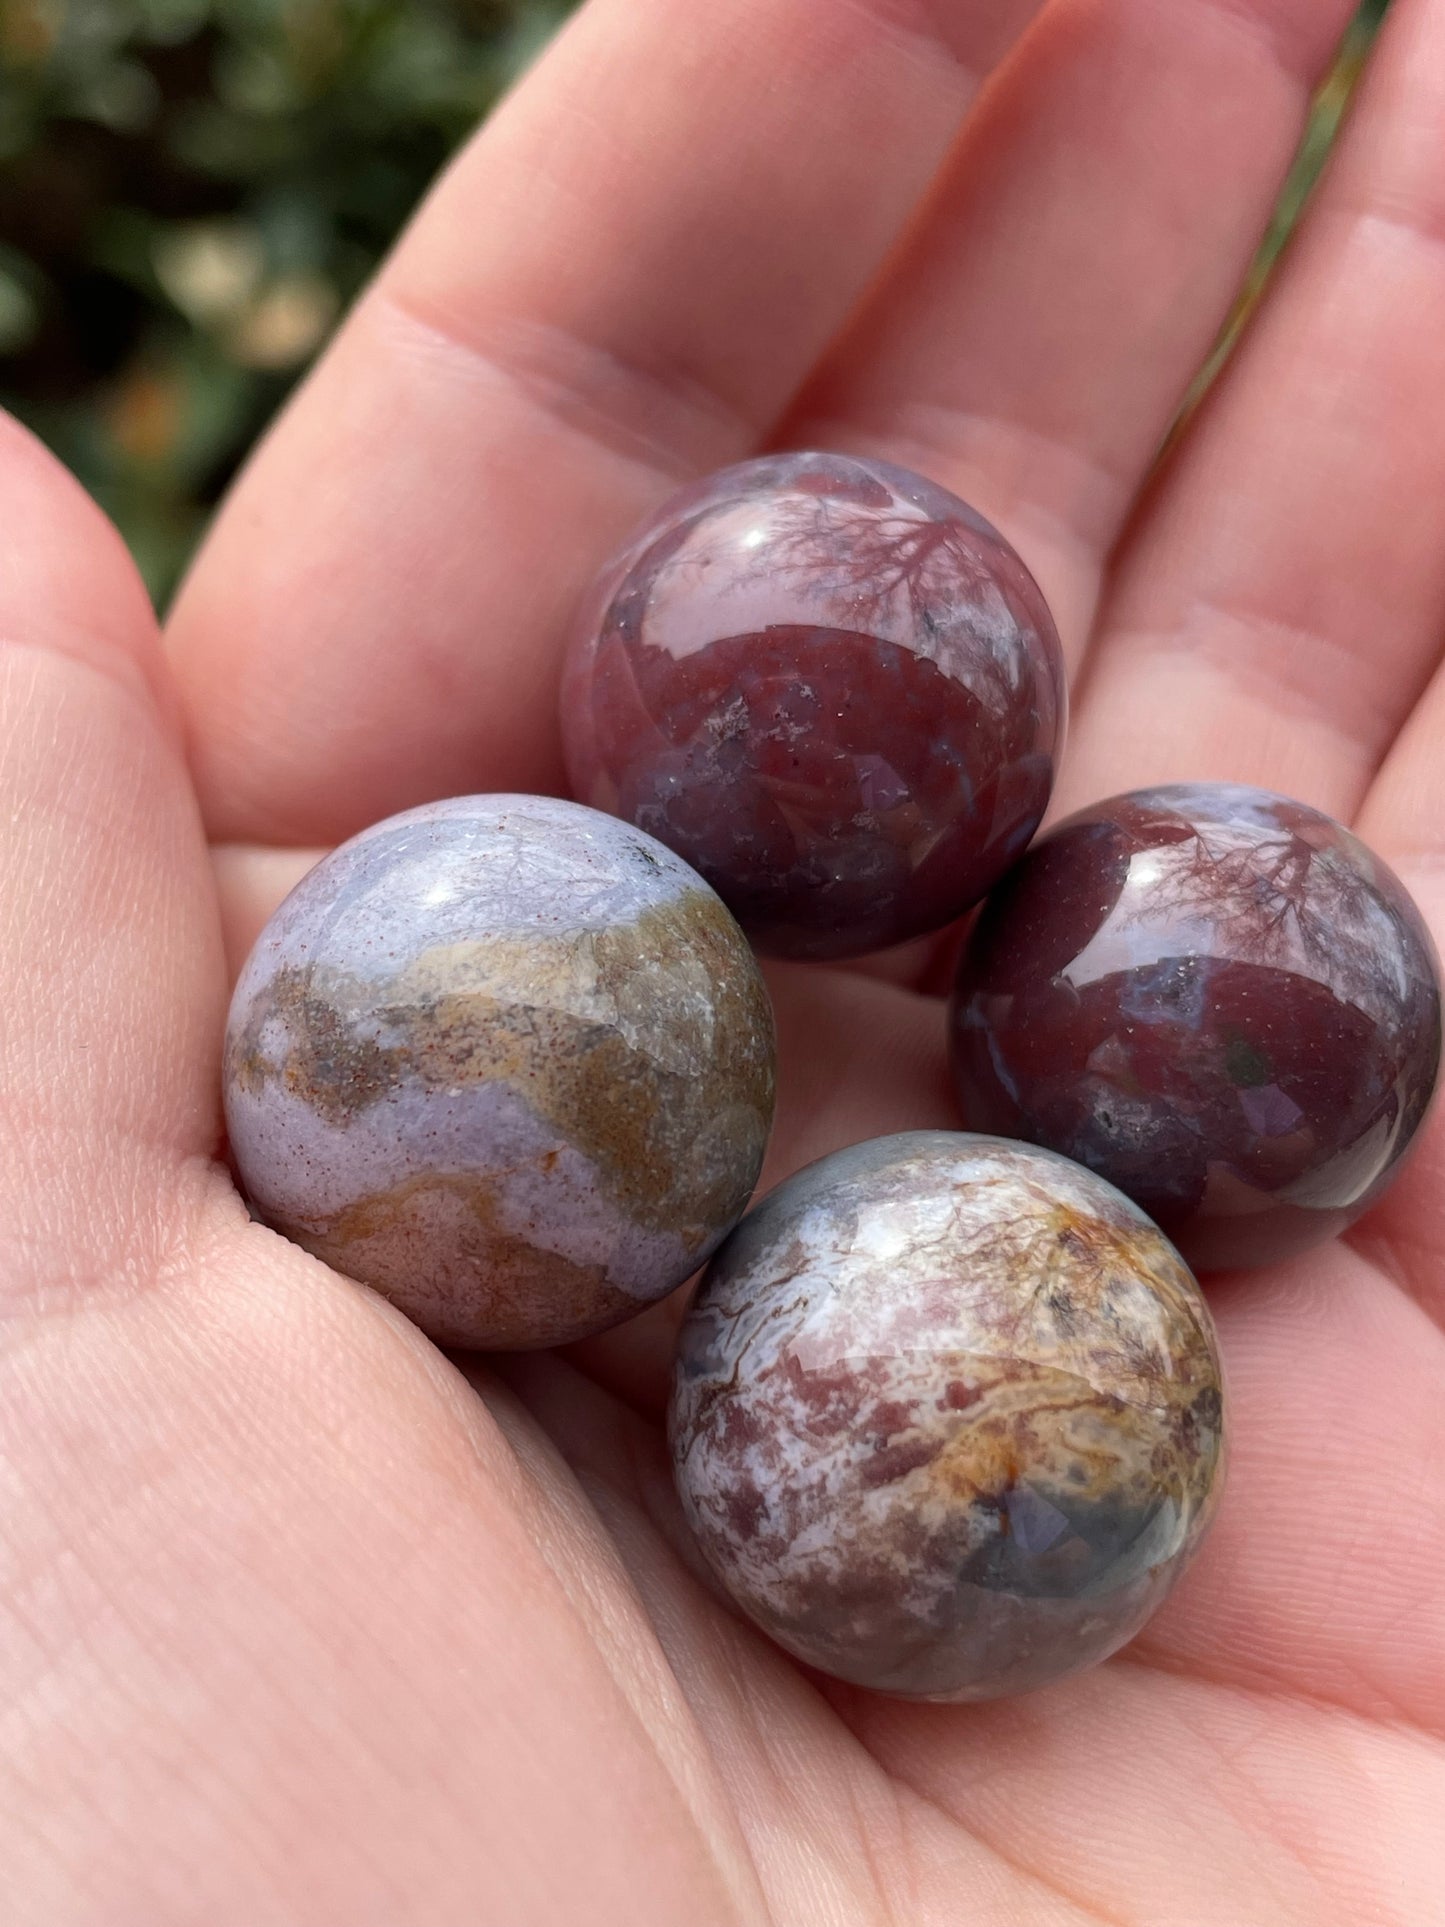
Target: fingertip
x,y
68,584
251,881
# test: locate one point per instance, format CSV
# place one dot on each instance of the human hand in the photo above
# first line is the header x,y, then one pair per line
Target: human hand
x,y
300,1623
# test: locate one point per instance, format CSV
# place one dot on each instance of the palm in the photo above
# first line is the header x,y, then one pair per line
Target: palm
x,y
296,1626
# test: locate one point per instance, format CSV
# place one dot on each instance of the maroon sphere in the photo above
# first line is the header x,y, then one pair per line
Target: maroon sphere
x,y
1217,999
831,687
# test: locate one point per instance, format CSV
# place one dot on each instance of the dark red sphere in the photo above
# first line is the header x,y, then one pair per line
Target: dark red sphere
x,y
831,687
1217,999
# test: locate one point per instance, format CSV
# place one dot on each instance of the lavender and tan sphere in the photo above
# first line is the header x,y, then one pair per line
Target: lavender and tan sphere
x,y
832,687
946,1419
1218,999
506,1059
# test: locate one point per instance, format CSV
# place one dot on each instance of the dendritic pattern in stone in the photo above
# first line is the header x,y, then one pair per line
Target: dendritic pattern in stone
x,y
1218,999
832,687
946,1419
506,1059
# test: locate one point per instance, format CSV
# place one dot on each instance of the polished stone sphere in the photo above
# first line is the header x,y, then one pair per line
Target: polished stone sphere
x,y
507,1060
1217,999
946,1419
830,686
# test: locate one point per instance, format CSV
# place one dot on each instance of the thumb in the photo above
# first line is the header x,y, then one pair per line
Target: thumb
x,y
110,973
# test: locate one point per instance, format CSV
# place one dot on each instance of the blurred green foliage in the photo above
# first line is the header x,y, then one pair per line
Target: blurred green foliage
x,y
192,190
190,193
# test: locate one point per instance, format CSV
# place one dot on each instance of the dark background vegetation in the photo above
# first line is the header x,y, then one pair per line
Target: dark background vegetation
x,y
191,191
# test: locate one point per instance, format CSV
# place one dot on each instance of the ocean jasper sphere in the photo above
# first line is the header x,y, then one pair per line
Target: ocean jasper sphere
x,y
1217,999
507,1060
832,687
946,1419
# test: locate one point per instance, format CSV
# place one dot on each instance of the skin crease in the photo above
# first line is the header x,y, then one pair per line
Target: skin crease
x,y
301,1624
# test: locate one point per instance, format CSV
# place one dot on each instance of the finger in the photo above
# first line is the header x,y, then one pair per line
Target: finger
x,y
1404,818
68,585
1083,248
109,952
251,881
1309,1585
1282,603
234,1488
620,283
